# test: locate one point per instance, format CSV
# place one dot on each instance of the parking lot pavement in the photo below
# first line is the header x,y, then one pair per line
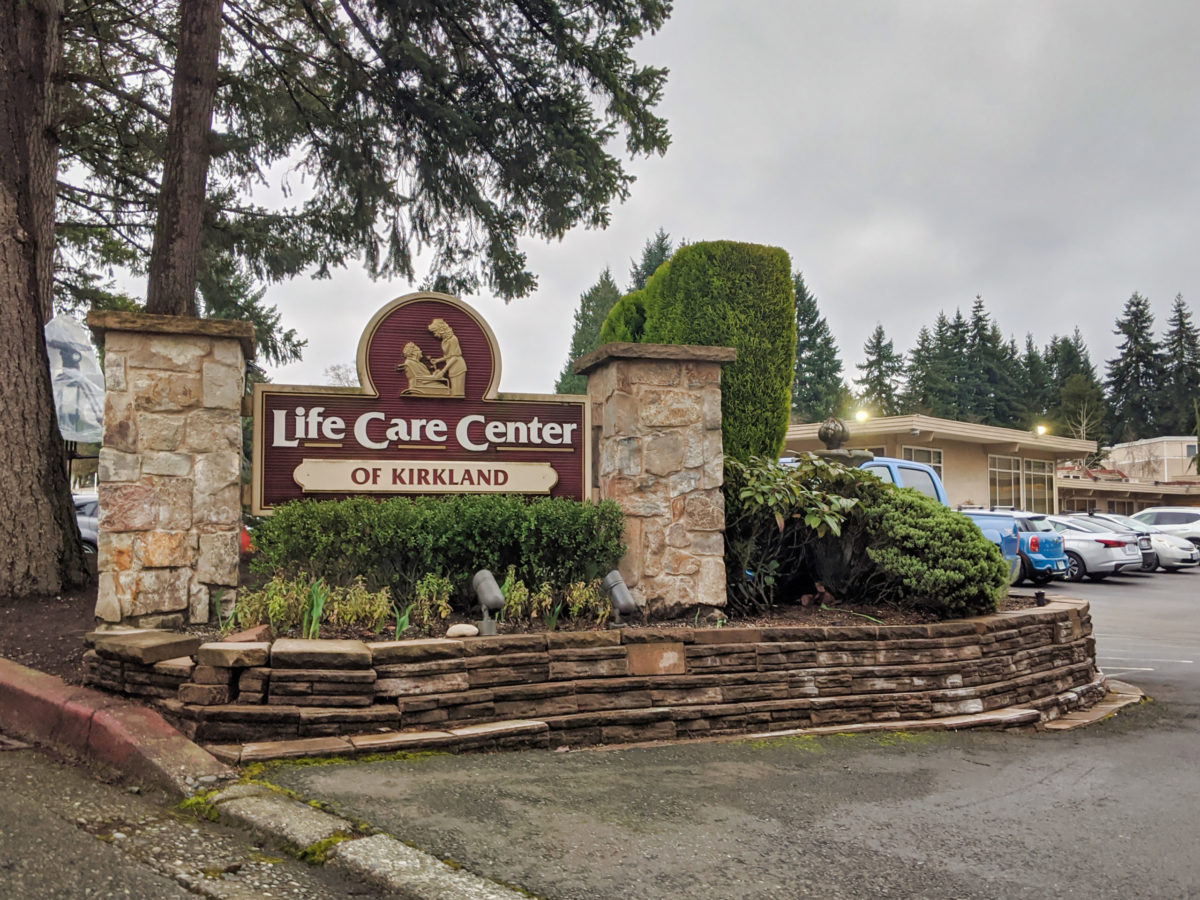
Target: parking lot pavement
x,y
1147,627
1101,811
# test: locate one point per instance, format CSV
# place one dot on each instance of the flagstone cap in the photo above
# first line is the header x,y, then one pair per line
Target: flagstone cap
x,y
664,352
102,321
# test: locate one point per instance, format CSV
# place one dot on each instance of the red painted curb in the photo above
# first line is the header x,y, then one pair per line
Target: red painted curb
x,y
135,741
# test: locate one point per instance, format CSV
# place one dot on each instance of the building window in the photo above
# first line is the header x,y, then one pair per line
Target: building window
x,y
1004,481
927,455
1039,486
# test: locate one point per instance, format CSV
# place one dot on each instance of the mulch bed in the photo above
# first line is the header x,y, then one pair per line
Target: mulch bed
x,y
46,633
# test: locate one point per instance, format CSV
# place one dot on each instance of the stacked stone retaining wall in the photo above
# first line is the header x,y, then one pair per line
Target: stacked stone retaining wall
x,y
583,688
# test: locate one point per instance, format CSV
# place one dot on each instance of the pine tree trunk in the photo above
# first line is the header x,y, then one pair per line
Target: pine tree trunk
x,y
39,540
175,256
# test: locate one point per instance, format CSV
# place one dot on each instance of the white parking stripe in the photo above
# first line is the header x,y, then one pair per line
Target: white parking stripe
x,y
1148,659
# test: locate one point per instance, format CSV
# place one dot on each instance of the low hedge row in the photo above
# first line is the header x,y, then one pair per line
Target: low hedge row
x,y
392,543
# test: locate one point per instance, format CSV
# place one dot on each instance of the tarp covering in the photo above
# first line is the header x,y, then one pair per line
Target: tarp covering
x,y
76,379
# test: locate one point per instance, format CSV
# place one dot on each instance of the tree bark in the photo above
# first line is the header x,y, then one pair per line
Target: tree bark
x,y
175,256
39,539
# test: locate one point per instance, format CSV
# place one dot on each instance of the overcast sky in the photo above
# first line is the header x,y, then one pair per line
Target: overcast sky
x,y
908,156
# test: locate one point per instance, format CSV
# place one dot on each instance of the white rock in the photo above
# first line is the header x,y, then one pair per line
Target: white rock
x,y
458,631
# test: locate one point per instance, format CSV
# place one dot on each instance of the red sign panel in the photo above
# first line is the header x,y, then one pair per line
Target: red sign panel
x,y
427,419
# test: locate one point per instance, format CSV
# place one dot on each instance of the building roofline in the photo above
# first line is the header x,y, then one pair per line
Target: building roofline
x,y
929,427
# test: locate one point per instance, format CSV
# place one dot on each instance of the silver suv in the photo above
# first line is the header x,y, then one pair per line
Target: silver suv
x,y
1183,521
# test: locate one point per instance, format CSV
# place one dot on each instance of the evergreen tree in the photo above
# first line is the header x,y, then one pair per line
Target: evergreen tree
x,y
818,390
1038,393
882,375
657,251
451,128
989,387
1067,356
1181,370
594,305
1135,376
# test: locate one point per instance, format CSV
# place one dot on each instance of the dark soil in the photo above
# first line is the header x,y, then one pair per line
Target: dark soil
x,y
46,633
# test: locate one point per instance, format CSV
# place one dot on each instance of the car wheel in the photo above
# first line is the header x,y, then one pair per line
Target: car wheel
x,y
1075,567
89,549
1023,572
1151,565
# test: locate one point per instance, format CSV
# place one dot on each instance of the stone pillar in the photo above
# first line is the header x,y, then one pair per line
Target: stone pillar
x,y
656,424
170,466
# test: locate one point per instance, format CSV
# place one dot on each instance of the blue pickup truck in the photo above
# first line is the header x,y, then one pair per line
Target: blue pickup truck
x,y
1003,533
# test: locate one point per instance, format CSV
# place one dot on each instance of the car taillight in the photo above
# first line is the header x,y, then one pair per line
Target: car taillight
x,y
1033,544
1105,542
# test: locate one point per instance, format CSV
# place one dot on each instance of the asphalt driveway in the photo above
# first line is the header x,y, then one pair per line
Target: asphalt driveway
x,y
1111,810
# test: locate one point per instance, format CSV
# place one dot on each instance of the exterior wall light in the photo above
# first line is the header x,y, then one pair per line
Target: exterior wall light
x,y
618,595
490,598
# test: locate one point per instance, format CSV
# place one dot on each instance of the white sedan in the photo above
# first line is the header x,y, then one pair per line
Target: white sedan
x,y
1094,549
1172,552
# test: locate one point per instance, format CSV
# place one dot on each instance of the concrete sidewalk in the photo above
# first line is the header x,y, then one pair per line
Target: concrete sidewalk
x,y
137,745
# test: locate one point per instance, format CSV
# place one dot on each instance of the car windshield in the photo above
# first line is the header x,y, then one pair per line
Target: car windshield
x,y
1091,524
1136,524
1035,523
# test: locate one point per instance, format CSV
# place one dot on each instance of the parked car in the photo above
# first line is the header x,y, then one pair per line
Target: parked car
x,y
1181,520
1040,546
1094,549
1170,551
87,515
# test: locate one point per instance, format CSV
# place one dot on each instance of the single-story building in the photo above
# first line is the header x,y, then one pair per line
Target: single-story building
x,y
980,465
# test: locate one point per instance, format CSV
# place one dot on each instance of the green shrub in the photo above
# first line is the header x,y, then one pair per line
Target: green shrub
x,y
723,293
394,543
863,540
626,321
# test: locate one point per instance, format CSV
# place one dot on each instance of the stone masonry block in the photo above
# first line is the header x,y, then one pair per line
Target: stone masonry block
x,y
120,425
218,561
118,466
292,653
664,658
229,655
160,591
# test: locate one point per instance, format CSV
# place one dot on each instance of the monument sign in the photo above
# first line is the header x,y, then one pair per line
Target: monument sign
x,y
426,419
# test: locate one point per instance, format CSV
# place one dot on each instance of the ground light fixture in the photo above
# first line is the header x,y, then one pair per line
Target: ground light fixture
x,y
619,596
490,598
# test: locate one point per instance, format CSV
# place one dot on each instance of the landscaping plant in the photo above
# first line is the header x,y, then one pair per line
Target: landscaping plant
x,y
792,528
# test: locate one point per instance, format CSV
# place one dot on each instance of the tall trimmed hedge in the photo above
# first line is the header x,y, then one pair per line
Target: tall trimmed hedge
x,y
728,294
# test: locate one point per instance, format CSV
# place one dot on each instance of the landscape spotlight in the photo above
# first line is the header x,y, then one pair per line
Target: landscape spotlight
x,y
490,598
1041,429
861,416
618,595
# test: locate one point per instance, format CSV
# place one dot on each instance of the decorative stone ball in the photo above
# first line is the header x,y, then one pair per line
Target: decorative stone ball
x,y
833,433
